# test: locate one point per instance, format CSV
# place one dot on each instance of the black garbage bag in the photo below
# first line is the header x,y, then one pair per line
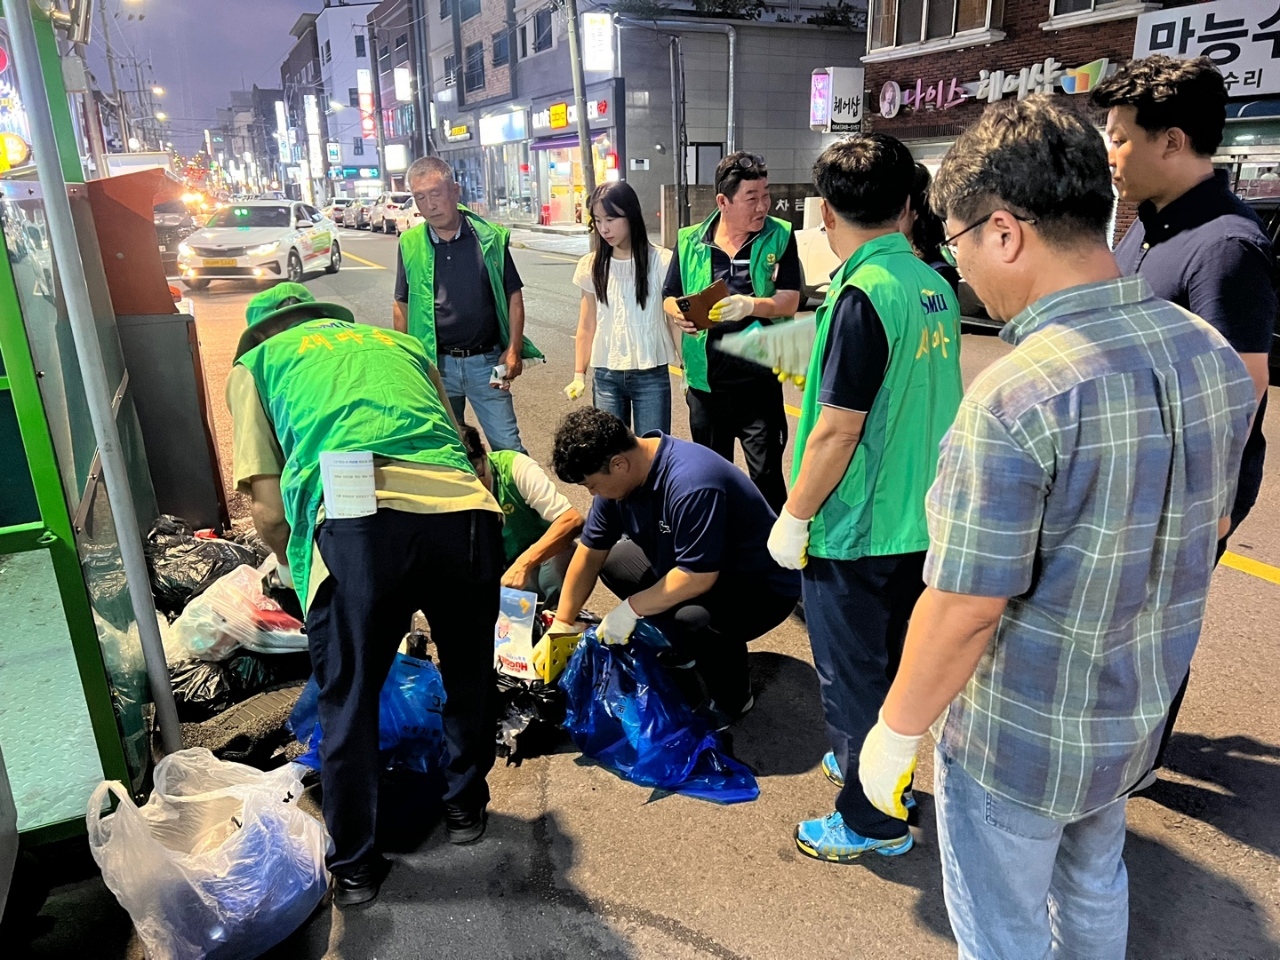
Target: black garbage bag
x,y
530,715
183,566
203,689
248,537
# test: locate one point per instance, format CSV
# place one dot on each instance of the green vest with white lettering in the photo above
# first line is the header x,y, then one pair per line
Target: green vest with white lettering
x,y
878,509
695,275
419,256
522,526
334,386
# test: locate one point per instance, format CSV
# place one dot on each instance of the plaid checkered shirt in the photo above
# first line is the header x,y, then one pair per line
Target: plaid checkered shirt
x,y
1084,479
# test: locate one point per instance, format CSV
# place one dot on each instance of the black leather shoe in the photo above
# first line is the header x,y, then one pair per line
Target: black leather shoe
x,y
464,824
362,884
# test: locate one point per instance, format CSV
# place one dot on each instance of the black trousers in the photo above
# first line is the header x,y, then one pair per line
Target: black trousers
x,y
857,613
382,569
752,413
708,634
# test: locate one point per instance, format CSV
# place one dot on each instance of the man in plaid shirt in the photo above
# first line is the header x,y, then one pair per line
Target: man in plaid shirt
x,y
1079,500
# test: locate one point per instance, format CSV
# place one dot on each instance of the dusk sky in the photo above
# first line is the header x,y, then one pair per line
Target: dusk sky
x,y
200,51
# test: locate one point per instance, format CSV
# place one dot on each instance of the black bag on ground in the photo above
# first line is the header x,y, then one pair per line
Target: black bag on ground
x,y
183,566
530,715
203,689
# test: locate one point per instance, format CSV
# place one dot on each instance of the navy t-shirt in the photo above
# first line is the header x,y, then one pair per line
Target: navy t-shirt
x,y
1208,252
695,511
857,354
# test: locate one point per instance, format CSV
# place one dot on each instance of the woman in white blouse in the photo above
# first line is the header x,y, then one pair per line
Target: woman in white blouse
x,y
623,334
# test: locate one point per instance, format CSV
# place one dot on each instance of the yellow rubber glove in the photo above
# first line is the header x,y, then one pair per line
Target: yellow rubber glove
x,y
577,388
885,767
731,308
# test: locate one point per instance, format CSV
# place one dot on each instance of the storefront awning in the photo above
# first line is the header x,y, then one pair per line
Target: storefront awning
x,y
555,143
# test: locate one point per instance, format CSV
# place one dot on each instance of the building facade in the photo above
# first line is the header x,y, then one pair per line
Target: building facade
x,y
347,99
305,135
402,100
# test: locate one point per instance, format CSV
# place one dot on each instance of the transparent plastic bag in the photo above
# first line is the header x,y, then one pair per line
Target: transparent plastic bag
x,y
219,864
625,712
234,612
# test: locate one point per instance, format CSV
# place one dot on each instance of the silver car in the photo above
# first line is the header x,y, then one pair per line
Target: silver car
x,y
386,208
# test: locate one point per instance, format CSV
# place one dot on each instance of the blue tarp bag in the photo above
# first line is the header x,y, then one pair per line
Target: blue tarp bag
x,y
410,718
625,713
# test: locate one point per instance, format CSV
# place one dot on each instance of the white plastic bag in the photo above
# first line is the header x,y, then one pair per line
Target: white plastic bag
x,y
219,864
234,613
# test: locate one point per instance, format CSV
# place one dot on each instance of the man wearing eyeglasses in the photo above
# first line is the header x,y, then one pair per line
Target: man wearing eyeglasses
x,y
755,254
1073,523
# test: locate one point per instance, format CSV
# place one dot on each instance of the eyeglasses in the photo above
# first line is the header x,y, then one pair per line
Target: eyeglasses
x,y
751,161
948,248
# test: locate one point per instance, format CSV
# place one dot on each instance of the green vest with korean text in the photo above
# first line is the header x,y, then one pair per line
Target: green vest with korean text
x,y
334,386
522,526
420,270
695,275
878,509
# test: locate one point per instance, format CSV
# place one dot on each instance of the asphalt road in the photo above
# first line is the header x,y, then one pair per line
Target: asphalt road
x,y
578,863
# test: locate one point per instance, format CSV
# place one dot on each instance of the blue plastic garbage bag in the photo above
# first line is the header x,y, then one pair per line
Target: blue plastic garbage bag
x,y
625,713
410,718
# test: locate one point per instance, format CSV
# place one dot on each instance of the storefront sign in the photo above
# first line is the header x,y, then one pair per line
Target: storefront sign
x,y
282,132
404,84
561,116
503,128
397,157
558,116
1241,36
992,85
364,89
835,99
334,151
597,42
457,133
353,173
14,151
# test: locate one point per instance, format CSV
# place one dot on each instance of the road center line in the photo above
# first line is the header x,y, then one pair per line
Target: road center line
x,y
369,263
1255,568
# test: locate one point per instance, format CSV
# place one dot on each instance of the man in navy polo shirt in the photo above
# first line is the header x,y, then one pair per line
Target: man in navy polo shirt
x,y
695,560
1194,242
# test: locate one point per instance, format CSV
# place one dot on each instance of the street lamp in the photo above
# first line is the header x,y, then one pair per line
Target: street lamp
x,y
161,115
158,91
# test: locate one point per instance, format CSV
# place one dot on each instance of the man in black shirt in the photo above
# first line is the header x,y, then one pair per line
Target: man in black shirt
x,y
1194,241
756,256
458,291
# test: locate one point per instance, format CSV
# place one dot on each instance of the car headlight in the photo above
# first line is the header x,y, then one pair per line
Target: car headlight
x,y
265,249
184,249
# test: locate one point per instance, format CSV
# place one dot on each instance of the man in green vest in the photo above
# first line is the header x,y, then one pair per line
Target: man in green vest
x,y
360,484
457,291
539,525
755,255
883,386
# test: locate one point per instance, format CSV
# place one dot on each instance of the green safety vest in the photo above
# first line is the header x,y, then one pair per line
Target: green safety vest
x,y
419,256
522,526
695,275
878,509
331,385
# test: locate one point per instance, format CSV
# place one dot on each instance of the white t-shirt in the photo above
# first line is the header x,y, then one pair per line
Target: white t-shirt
x,y
628,338
537,489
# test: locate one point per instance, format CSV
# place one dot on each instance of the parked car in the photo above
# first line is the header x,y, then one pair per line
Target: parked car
x,y
382,215
174,223
334,210
1268,210
408,217
356,214
260,240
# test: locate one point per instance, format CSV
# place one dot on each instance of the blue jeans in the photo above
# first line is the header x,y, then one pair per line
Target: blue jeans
x,y
1020,886
467,378
639,398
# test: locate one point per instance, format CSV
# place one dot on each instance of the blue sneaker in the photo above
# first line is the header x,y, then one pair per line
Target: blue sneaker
x,y
831,770
829,839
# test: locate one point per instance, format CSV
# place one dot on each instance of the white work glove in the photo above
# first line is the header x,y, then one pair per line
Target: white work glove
x,y
731,308
885,766
561,627
577,388
789,541
284,573
618,624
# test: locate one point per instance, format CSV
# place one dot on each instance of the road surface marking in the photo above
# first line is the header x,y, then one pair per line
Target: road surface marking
x,y
794,411
562,256
1255,568
348,269
368,263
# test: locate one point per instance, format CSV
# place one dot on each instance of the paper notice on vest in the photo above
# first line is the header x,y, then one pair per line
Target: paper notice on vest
x,y
349,490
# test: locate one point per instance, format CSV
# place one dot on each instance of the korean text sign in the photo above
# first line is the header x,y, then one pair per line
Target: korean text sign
x,y
1242,37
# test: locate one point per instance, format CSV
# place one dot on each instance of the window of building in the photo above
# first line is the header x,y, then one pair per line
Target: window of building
x,y
360,48
907,23
450,70
468,9
444,9
501,49
328,53
542,35
1068,13
402,40
357,146
353,96
473,78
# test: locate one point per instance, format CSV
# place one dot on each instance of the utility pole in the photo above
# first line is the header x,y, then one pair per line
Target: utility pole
x,y
122,115
580,103
423,87
146,122
383,174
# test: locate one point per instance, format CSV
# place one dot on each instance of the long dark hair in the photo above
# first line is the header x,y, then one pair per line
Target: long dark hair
x,y
928,232
619,200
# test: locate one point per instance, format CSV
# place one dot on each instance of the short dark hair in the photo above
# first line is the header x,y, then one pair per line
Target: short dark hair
x,y
866,179
928,231
1035,157
471,442
1166,93
739,166
586,440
